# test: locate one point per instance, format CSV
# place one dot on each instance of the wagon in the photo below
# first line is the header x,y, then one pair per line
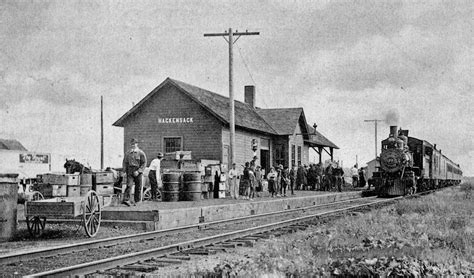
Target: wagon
x,y
87,207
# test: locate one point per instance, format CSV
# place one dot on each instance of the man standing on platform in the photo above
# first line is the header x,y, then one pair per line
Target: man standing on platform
x,y
155,175
134,164
233,188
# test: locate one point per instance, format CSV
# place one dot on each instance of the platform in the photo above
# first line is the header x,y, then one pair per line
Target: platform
x,y
163,215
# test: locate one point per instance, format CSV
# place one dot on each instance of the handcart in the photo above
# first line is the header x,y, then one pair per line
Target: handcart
x,y
88,208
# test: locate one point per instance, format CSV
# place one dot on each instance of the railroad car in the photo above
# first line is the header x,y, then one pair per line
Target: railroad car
x,y
409,165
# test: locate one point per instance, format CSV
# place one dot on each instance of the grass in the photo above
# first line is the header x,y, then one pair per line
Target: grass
x,y
432,235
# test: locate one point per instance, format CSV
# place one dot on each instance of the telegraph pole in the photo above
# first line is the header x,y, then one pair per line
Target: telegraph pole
x,y
229,37
375,122
101,133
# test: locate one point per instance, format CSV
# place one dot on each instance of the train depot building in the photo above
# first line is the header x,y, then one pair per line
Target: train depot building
x,y
176,116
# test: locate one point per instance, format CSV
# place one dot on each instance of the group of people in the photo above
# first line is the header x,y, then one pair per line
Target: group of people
x,y
358,176
281,180
318,177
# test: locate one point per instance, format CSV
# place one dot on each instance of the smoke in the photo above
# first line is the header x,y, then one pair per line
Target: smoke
x,y
392,117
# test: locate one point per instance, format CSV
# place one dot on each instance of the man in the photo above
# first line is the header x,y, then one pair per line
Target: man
x,y
134,164
339,174
329,177
285,180
293,179
355,176
155,175
253,181
234,190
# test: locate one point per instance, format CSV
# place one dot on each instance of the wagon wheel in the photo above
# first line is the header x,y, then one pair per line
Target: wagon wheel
x,y
35,225
91,214
37,196
147,195
158,194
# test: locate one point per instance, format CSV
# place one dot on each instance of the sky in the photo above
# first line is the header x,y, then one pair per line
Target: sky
x,y
408,63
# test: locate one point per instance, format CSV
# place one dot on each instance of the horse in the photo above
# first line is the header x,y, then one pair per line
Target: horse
x,y
72,166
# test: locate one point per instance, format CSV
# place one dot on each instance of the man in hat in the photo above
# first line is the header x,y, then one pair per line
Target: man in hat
x,y
155,175
134,163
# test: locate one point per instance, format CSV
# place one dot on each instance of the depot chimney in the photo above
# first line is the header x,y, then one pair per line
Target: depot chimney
x,y
250,95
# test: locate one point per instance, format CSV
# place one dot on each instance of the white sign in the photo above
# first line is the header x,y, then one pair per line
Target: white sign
x,y
175,120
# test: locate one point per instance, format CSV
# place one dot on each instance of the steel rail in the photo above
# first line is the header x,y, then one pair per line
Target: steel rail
x,y
82,246
109,263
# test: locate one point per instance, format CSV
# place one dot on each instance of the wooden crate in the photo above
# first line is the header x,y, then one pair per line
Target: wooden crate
x,y
86,179
45,189
103,177
176,155
59,190
221,194
107,200
104,189
74,191
66,179
84,189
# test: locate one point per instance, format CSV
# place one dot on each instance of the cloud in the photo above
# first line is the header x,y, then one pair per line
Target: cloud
x,y
55,86
409,57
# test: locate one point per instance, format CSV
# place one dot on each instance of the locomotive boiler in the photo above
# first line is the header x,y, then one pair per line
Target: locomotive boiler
x,y
408,165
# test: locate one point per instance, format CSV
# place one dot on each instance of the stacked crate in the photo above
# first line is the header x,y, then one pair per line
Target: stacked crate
x,y
61,185
103,184
85,183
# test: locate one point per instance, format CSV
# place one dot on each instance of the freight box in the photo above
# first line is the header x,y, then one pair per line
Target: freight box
x,y
59,190
104,189
66,179
103,177
45,189
73,191
86,179
222,194
177,155
84,189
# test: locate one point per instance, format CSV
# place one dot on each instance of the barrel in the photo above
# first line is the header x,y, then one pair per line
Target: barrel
x,y
171,187
192,186
8,210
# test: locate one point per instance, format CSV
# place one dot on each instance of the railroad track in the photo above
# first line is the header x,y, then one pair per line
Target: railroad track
x,y
77,247
174,253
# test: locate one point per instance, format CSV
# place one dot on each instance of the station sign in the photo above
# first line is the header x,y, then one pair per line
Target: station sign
x,y
34,158
175,120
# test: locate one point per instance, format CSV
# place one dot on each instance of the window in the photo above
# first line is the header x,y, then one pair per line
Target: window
x,y
293,155
299,155
172,144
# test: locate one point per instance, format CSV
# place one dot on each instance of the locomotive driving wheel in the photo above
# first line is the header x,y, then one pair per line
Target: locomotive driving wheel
x,y
35,225
91,214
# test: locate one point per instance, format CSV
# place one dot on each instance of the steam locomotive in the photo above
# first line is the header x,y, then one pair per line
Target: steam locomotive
x,y
408,165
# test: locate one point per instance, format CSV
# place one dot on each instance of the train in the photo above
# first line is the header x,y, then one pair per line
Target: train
x,y
408,165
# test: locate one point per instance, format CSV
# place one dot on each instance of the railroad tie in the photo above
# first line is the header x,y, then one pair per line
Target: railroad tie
x,y
179,257
246,243
200,251
167,260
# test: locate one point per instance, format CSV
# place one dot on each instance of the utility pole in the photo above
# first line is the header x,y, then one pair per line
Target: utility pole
x,y
229,37
101,133
375,122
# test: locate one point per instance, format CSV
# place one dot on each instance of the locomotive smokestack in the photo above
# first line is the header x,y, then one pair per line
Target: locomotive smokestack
x,y
393,131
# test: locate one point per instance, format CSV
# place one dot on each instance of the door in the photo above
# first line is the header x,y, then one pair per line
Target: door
x,y
265,160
